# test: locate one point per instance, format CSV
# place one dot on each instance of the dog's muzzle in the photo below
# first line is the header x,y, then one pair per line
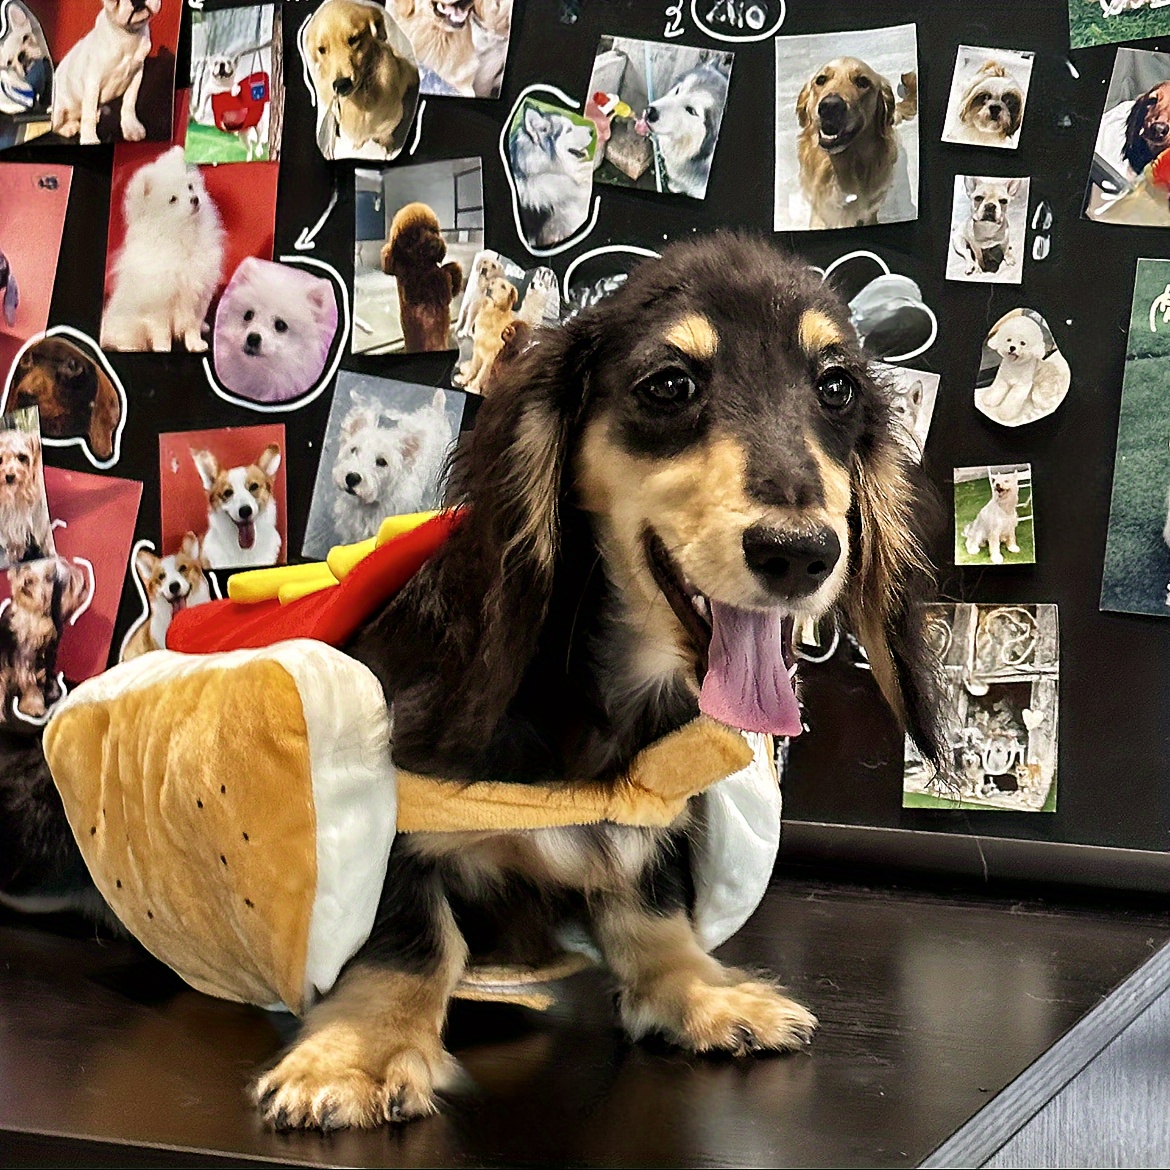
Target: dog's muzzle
x,y
252,344
791,565
343,86
833,118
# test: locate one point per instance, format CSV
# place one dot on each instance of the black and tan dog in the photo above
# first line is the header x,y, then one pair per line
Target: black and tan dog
x,y
646,509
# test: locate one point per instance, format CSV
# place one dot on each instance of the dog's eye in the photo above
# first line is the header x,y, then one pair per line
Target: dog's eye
x,y
183,570
173,199
692,111
353,41
863,82
280,325
249,315
821,79
22,459
380,461
228,493
836,390
669,388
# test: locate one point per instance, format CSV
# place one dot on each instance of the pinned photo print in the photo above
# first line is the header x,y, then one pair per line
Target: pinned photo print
x,y
501,307
846,129
1023,376
594,275
1105,22
417,230
994,522
168,585
25,531
912,395
383,455
989,91
363,77
78,397
658,109
236,104
229,488
549,151
1001,697
26,75
1129,182
461,45
177,232
989,221
1137,548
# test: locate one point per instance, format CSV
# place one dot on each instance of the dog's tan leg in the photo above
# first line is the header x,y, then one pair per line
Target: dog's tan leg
x,y
670,985
372,1051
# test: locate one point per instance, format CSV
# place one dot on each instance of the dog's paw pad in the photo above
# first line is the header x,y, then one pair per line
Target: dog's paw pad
x,y
134,132
302,1094
745,1018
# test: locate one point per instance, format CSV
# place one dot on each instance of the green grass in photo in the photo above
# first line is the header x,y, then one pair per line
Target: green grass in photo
x,y
925,800
970,496
1088,24
206,144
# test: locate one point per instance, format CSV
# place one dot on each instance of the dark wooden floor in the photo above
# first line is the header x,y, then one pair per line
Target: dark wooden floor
x,y
930,1004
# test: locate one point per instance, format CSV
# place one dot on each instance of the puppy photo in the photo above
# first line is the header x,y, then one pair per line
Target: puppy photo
x,y
236,104
104,66
384,451
417,232
485,268
846,129
1133,132
550,154
229,488
989,91
169,584
989,220
26,75
275,326
493,319
44,596
461,45
678,95
365,79
74,394
912,395
1031,376
993,515
170,262
25,531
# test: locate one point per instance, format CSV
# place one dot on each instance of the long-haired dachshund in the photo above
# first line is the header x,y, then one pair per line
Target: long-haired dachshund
x,y
652,493
1147,129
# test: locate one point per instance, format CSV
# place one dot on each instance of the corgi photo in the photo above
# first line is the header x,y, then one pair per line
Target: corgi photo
x,y
103,66
171,584
274,328
241,511
170,262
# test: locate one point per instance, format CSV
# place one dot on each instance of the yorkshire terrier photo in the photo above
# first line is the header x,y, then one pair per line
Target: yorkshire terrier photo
x,y
25,531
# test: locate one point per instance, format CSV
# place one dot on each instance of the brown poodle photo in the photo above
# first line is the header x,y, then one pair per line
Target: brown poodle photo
x,y
414,254
75,397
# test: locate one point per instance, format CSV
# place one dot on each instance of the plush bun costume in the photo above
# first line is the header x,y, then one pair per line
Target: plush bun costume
x,y
236,806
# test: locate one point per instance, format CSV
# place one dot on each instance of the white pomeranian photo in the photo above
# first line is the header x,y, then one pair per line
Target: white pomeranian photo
x,y
274,328
169,264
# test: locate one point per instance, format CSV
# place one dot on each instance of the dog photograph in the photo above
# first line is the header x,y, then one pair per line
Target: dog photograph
x,y
177,233
994,515
912,395
989,92
168,585
78,399
1023,376
275,329
33,201
989,222
1001,699
363,78
228,487
417,231
383,454
26,533
461,45
26,75
236,98
549,151
94,518
1133,132
1105,22
846,129
1136,577
675,97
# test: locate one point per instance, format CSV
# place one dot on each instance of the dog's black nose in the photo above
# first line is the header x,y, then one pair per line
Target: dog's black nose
x,y
173,588
832,111
343,86
352,479
9,478
245,511
791,565
994,109
252,342
1158,131
651,114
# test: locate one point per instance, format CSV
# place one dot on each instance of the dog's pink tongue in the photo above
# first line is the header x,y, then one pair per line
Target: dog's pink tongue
x,y
747,684
247,531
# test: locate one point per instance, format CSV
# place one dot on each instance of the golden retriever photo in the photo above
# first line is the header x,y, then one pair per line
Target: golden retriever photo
x,y
847,129
365,79
461,45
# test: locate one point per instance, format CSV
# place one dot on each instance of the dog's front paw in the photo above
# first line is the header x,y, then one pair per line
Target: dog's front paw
x,y
133,130
740,1018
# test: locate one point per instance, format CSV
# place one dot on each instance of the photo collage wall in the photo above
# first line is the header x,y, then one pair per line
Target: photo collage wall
x,y
250,299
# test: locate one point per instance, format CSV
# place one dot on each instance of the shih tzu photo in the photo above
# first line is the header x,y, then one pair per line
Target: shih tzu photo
x,y
987,106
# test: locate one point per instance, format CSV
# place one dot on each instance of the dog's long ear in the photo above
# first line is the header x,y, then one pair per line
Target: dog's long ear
x,y
890,577
803,117
1136,151
887,108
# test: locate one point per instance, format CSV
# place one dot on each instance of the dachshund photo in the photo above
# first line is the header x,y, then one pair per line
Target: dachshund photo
x,y
646,512
414,254
73,394
1147,129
